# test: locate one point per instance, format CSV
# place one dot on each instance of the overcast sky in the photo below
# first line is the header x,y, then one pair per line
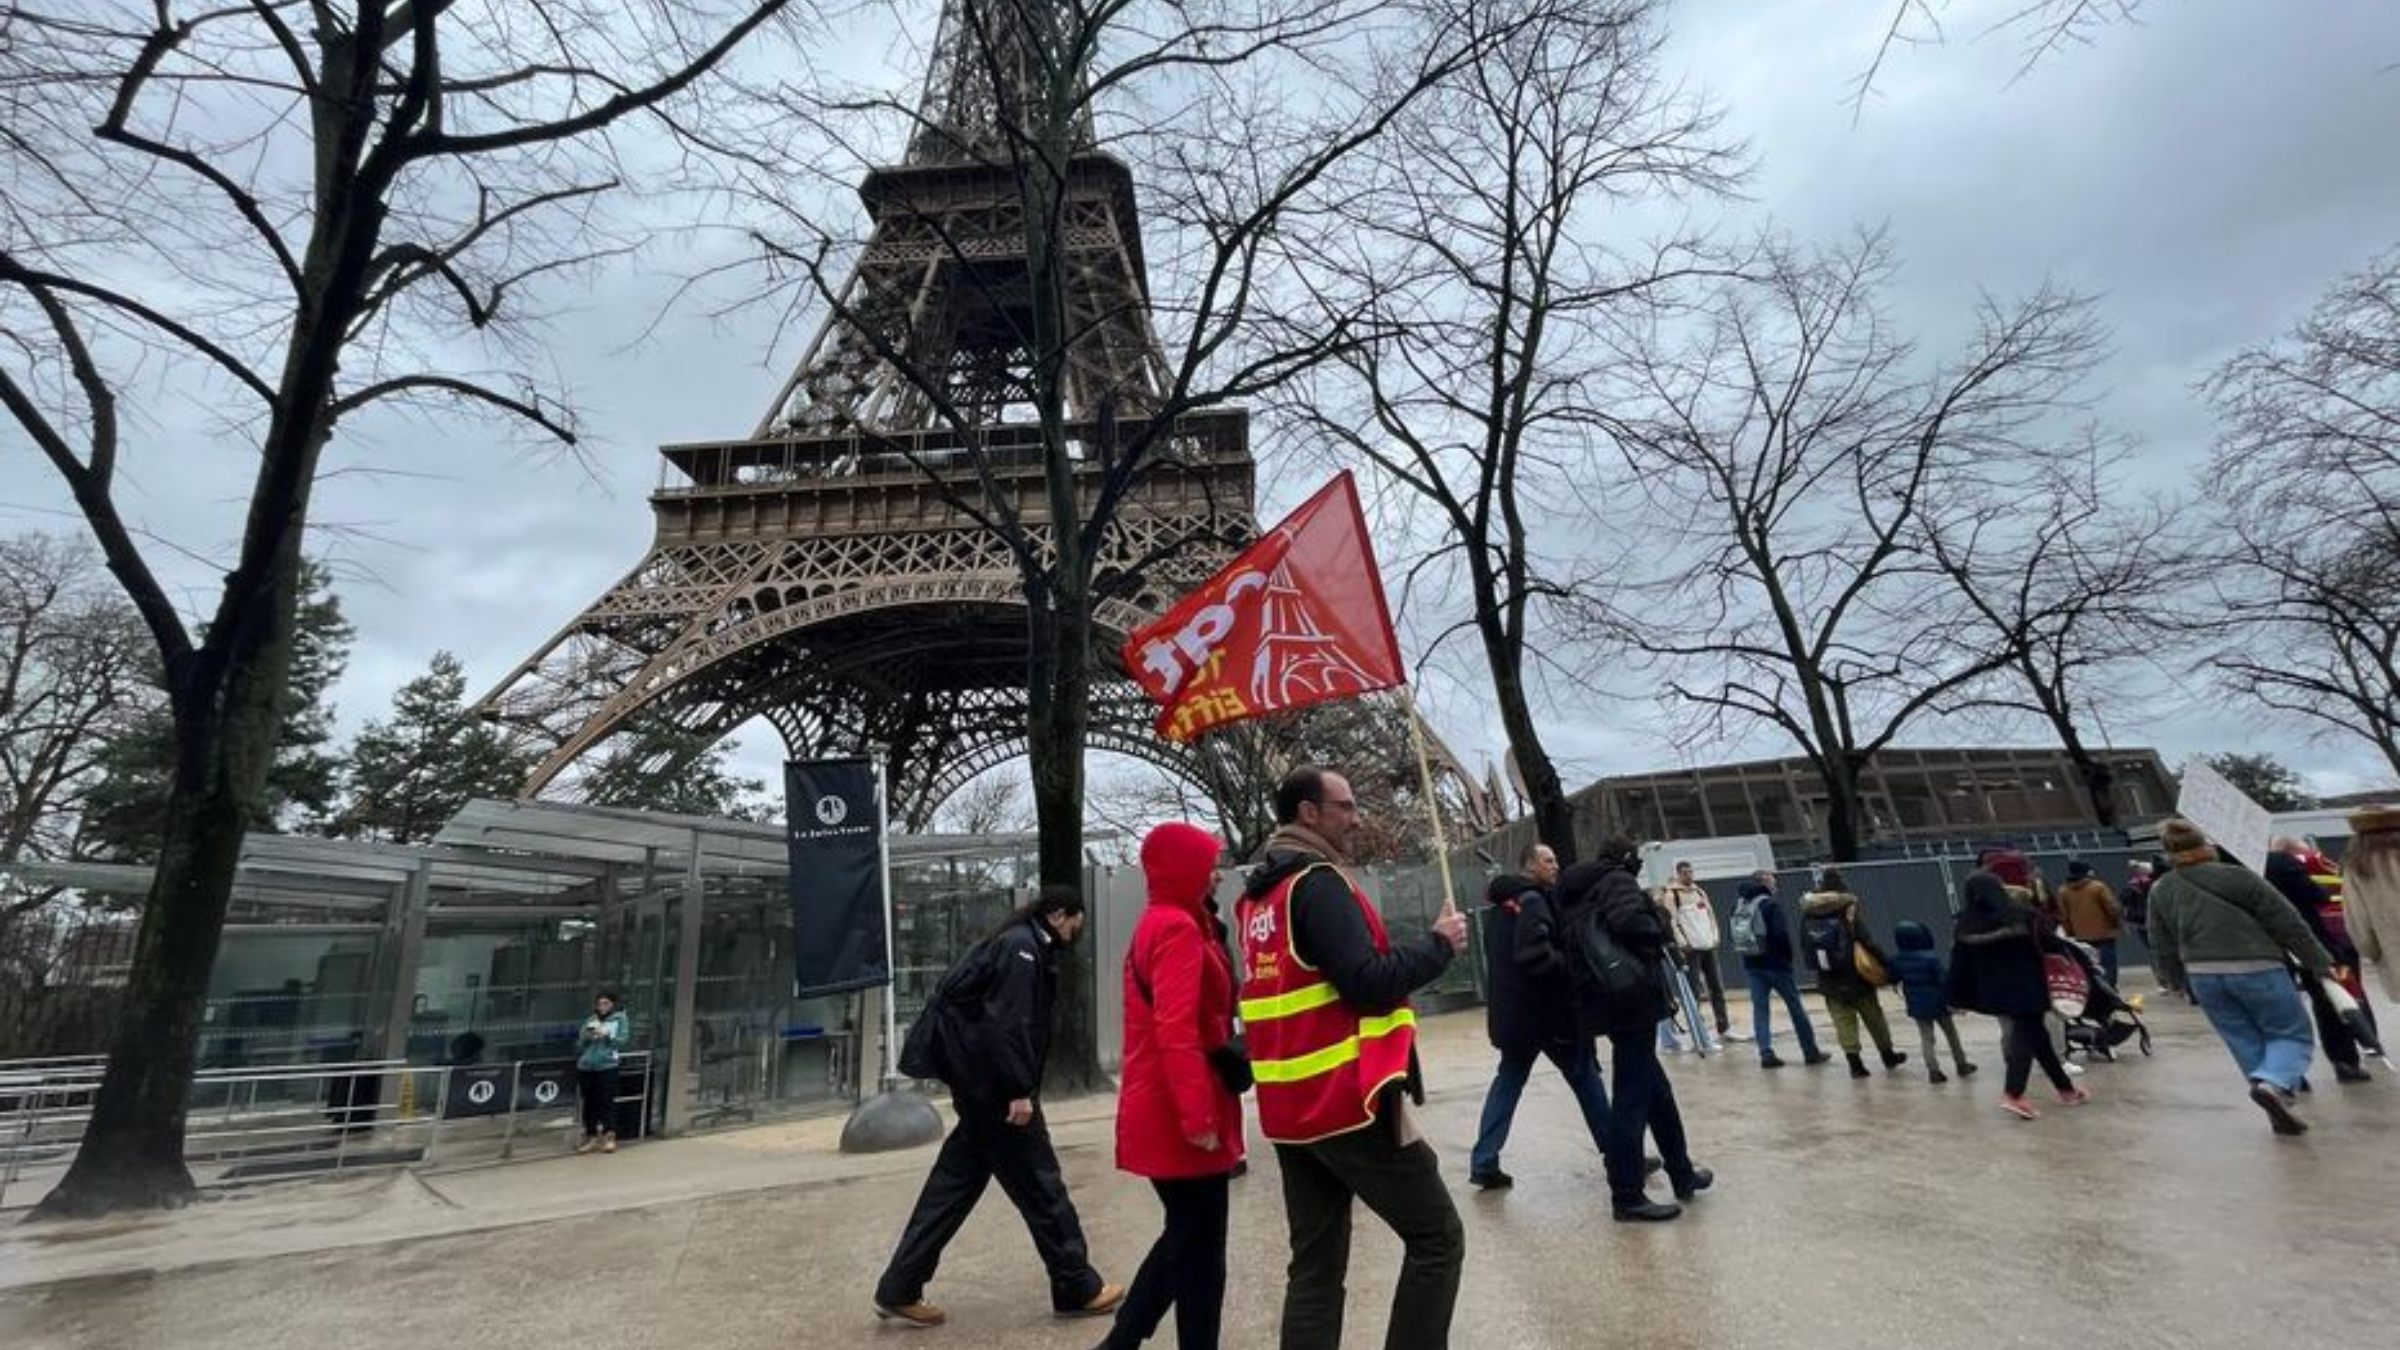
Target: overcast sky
x,y
2207,173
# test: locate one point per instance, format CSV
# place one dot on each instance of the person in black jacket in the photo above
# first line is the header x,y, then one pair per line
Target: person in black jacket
x,y
1605,891
2288,875
1000,1134
1385,1163
1770,969
1530,1012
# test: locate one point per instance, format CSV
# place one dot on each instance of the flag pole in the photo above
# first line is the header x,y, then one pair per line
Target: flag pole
x,y
1433,808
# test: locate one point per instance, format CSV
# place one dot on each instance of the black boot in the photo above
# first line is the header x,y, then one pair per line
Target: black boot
x,y
1648,1211
1937,1076
1893,1059
1858,1066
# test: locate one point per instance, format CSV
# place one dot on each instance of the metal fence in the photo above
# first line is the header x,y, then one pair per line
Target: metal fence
x,y
252,1126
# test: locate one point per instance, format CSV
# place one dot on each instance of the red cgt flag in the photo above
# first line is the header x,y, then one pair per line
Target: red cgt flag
x,y
1298,618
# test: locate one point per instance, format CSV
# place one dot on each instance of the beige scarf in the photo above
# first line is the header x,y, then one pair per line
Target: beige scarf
x,y
1301,839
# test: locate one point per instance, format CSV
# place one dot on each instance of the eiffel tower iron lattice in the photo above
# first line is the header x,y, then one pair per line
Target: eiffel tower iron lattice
x,y
827,573
819,574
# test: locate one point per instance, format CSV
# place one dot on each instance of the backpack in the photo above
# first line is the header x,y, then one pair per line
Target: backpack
x,y
1610,977
1750,926
1830,944
941,1040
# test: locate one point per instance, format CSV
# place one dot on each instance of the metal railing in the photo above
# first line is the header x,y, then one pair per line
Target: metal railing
x,y
248,1126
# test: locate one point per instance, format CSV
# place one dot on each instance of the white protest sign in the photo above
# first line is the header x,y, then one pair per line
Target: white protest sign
x,y
2237,824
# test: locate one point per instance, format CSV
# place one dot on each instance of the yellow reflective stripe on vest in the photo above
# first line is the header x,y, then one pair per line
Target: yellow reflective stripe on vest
x,y
1289,1005
1325,1061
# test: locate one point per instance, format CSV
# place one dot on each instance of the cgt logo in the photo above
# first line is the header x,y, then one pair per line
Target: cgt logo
x,y
832,810
1175,657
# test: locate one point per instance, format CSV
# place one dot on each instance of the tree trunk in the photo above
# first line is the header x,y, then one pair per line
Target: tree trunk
x,y
131,1156
2097,778
1842,822
1553,815
1058,717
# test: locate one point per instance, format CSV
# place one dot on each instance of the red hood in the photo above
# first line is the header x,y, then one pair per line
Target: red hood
x,y
1179,861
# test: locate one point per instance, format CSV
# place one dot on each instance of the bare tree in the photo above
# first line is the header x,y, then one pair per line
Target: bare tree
x,y
992,804
73,674
2075,581
1810,462
1234,114
1476,252
307,204
1072,362
2306,480
2042,28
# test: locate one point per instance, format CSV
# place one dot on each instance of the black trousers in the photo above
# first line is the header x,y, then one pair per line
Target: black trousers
x,y
2025,1042
1702,968
1185,1269
596,1091
984,1148
1402,1184
1644,1101
2332,1034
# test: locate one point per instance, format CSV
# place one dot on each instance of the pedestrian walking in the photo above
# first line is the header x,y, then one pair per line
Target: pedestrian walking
x,y
996,1006
1530,1014
2224,936
2133,899
1697,937
2089,911
1850,969
2028,888
1333,1043
599,1051
1605,916
1179,1114
2293,879
1996,969
1762,939
1925,986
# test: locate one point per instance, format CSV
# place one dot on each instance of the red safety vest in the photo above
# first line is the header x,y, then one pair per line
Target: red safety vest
x,y
1319,1066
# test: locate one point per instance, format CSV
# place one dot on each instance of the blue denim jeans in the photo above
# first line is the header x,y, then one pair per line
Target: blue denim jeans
x,y
2262,1020
1787,985
1578,1063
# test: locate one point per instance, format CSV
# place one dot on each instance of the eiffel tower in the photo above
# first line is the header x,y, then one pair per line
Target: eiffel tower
x,y
816,574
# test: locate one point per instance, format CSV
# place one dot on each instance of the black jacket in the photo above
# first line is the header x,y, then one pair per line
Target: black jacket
x,y
1777,948
1012,1035
1529,1003
1607,890
2290,876
1330,933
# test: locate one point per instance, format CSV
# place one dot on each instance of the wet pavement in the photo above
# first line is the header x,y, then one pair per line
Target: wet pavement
x,y
1848,1213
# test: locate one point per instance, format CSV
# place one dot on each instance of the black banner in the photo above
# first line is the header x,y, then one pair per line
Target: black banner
x,y
835,810
546,1085
480,1090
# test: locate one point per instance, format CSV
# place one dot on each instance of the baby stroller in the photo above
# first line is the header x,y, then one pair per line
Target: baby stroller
x,y
2103,1019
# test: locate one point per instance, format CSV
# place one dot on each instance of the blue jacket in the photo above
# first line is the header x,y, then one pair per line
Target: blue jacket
x,y
601,1041
1919,969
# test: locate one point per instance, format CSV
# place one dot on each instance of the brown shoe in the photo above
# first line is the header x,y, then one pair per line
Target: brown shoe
x,y
589,1142
1101,1304
608,1142
917,1314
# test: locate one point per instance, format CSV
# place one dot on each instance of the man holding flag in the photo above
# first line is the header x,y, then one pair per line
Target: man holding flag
x,y
1333,1049
1299,619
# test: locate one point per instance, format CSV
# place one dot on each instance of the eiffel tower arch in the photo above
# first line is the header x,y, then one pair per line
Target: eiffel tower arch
x,y
828,572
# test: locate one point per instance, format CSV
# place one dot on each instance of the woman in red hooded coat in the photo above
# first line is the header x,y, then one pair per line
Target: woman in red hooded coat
x,y
1177,1123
